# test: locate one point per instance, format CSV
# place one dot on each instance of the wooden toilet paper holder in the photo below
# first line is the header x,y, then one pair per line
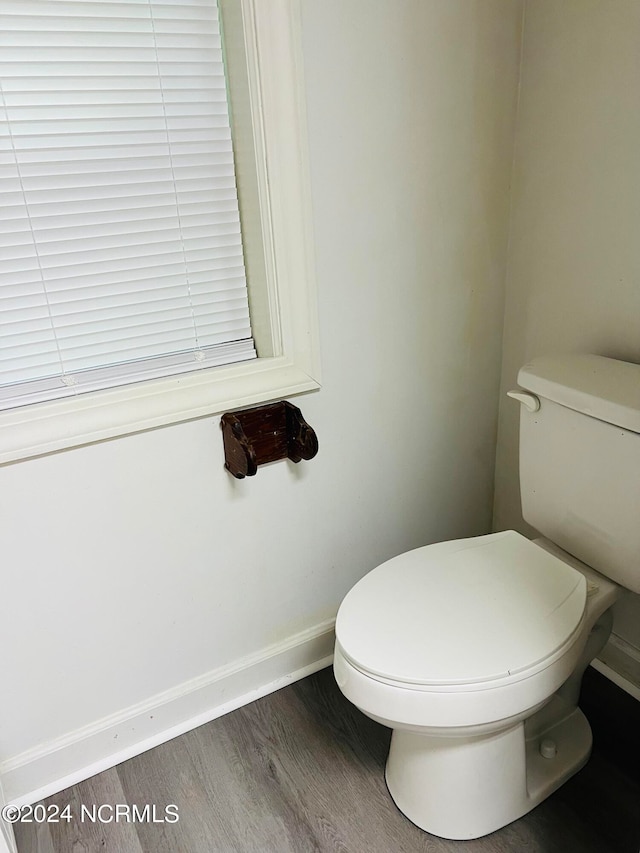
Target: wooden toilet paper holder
x,y
263,434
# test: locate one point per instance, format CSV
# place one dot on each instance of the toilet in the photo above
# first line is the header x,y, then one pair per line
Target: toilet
x,y
472,651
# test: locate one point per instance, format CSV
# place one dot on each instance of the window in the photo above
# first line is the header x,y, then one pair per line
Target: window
x,y
263,53
122,250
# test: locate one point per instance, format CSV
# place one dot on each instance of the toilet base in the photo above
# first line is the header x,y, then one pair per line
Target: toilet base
x,y
466,787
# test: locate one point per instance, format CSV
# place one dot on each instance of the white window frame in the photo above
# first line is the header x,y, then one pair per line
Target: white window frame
x,y
271,35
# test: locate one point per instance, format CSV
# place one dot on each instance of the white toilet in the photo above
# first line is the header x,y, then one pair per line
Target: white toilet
x,y
473,651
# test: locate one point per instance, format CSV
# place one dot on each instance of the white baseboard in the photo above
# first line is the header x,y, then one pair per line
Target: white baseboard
x,y
619,661
54,766
7,838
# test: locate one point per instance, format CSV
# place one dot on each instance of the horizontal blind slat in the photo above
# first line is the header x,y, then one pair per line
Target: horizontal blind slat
x,y
132,164
50,230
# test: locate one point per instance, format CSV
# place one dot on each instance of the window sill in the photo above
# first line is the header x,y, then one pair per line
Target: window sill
x,y
48,427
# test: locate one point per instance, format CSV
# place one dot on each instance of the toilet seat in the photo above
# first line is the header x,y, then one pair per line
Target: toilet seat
x,y
464,614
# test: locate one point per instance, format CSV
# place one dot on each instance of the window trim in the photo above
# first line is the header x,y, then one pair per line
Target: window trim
x,y
273,50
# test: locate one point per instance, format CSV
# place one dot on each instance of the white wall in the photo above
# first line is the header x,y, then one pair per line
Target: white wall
x,y
574,259
136,565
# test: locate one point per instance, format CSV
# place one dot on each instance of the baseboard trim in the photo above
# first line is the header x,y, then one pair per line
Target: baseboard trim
x,y
619,661
7,838
54,766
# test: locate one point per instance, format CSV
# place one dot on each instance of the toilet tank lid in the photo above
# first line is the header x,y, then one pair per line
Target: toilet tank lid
x,y
603,388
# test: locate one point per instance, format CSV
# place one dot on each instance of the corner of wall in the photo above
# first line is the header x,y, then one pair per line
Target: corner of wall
x,y
504,379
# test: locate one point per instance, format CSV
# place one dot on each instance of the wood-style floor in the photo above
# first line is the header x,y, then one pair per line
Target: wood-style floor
x,y
301,770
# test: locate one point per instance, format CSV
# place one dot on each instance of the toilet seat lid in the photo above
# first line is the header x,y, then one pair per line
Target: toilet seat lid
x,y
462,612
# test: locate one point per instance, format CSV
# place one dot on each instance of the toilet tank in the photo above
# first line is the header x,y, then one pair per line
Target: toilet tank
x,y
580,459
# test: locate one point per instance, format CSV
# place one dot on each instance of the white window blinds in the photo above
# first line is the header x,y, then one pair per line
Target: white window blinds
x,y
120,247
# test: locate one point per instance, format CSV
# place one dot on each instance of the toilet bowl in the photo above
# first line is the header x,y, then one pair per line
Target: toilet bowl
x,y
459,648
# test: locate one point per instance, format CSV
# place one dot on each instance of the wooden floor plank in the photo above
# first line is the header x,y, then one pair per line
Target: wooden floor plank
x,y
219,809
166,776
86,833
302,771
34,838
